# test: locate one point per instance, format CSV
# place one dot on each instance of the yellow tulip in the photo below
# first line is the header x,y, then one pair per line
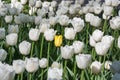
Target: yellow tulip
x,y
58,40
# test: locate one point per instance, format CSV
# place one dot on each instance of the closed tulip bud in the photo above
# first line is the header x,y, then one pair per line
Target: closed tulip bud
x,y
8,19
34,34
38,4
13,29
96,67
108,10
19,66
58,40
116,76
3,54
49,34
69,33
115,67
107,65
2,33
97,35
56,65
92,42
45,4
23,1
95,21
24,47
67,52
11,39
78,46
88,17
83,60
31,64
119,42
43,63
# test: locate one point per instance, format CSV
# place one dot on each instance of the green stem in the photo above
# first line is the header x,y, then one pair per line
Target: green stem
x,y
21,76
74,68
105,25
100,58
10,56
82,75
87,33
65,64
48,52
41,75
32,49
30,76
41,46
93,53
18,77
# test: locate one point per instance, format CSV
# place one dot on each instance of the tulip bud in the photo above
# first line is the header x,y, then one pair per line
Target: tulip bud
x,y
108,64
83,60
3,54
92,42
11,39
31,64
24,47
23,1
43,63
19,66
115,67
8,19
96,67
43,27
38,4
55,65
2,33
88,17
67,52
58,40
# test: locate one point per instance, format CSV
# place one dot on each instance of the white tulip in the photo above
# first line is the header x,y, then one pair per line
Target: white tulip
x,y
63,20
95,21
45,4
115,67
97,9
101,48
115,2
96,67
2,33
119,42
79,2
78,46
97,35
31,64
55,65
85,9
69,33
88,17
55,74
17,20
13,29
8,18
43,63
53,20
19,66
67,52
38,4
92,42
105,16
49,34
32,3
43,27
34,34
116,76
11,39
24,47
23,1
53,4
107,65
38,19
83,60
108,2
3,54
108,10
78,24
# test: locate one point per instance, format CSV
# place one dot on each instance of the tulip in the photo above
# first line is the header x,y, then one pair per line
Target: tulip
x,y
56,65
19,66
49,34
31,64
38,19
53,20
78,46
67,52
95,21
13,29
38,4
63,20
115,3
8,19
53,4
2,33
11,39
43,27
88,17
97,9
108,10
92,42
23,1
108,64
115,67
24,47
58,40
108,2
3,54
83,60
43,63
45,4
96,67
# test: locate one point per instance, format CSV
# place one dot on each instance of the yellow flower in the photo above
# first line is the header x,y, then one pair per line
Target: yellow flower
x,y
58,40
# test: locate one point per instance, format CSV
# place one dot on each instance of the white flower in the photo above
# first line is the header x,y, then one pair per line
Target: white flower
x,y
88,17
92,42
96,67
108,2
67,52
97,35
2,33
49,34
108,10
11,39
55,74
23,1
83,60
79,2
55,65
19,66
119,42
45,4
38,4
53,20
105,16
6,72
24,47
116,76
38,20
17,19
31,64
115,2
115,67
43,63
13,29
78,46
97,9
78,24
69,33
85,9
8,18
3,54
63,20
107,64
32,2
43,27
95,21
101,48
34,34
114,23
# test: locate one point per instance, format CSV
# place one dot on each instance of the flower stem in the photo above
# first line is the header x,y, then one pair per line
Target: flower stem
x,y
21,76
82,75
30,76
32,49
48,52
41,75
41,46
10,56
105,25
65,64
18,77
74,68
